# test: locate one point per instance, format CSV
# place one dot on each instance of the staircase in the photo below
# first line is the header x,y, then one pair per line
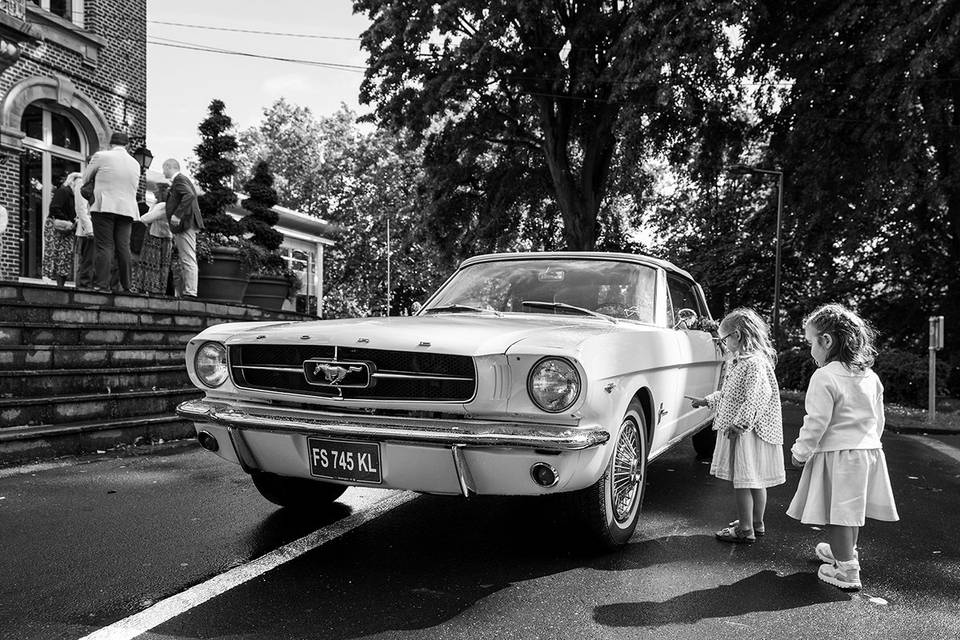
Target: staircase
x,y
82,371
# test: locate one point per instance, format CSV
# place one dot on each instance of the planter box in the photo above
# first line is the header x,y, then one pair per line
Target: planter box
x,y
222,280
267,292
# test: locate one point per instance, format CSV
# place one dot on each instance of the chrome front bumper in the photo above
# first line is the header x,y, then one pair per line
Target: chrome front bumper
x,y
465,432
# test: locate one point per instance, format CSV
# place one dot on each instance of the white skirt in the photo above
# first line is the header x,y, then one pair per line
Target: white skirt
x,y
749,461
844,488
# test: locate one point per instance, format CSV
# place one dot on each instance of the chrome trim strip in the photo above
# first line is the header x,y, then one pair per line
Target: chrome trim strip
x,y
466,432
379,374
418,376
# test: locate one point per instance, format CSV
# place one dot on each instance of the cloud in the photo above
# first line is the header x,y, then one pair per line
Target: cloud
x,y
286,84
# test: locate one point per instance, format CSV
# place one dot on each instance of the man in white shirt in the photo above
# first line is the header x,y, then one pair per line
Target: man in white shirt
x,y
116,179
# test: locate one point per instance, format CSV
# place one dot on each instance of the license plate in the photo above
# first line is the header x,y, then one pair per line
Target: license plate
x,y
345,460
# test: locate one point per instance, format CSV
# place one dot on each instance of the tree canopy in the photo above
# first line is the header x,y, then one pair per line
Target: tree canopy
x,y
548,92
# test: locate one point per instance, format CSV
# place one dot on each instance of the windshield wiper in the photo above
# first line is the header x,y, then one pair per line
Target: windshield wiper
x,y
462,307
564,305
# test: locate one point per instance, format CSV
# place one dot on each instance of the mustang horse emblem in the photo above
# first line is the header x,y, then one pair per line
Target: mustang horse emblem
x,y
334,374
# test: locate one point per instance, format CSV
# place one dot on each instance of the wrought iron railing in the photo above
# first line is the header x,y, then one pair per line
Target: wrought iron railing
x,y
15,8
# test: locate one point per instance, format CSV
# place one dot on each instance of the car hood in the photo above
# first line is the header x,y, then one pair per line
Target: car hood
x,y
466,334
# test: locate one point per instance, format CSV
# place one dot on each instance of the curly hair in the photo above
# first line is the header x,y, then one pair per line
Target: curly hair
x,y
853,337
754,332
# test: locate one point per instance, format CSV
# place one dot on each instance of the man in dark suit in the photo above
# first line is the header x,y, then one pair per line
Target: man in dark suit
x,y
183,213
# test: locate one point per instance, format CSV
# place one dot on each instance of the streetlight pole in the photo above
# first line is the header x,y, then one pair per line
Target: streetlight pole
x,y
743,169
388,266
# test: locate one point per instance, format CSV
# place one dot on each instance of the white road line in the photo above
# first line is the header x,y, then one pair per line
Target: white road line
x,y
943,448
173,606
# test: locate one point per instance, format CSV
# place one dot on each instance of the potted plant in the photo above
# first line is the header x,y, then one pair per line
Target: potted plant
x,y
271,278
222,273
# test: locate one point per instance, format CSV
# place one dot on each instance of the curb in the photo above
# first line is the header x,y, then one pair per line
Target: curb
x,y
914,431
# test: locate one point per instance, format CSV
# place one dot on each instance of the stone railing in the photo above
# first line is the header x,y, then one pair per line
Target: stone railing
x,y
15,8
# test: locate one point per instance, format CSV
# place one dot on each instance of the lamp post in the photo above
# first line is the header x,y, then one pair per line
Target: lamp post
x,y
743,169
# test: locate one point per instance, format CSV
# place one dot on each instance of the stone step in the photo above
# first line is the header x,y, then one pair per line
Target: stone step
x,y
16,298
17,412
93,335
64,356
57,382
43,441
20,312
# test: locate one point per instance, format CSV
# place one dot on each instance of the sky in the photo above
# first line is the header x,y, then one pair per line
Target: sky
x,y
181,82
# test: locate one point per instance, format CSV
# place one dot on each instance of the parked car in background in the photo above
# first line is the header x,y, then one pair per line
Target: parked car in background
x,y
525,374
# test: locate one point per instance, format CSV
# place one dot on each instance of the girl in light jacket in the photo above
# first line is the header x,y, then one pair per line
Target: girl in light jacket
x,y
845,477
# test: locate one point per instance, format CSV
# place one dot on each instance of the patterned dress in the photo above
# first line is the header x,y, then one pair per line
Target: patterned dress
x,y
57,252
749,402
150,275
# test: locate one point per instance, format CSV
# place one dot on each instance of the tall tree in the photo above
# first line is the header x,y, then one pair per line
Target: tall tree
x,y
292,140
864,112
570,83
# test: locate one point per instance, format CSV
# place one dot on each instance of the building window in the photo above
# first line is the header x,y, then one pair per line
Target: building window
x,y
71,10
54,147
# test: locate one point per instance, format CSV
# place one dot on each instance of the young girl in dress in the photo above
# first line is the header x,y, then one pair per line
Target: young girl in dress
x,y
844,477
749,425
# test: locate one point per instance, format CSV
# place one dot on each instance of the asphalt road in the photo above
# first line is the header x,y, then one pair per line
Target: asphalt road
x,y
90,542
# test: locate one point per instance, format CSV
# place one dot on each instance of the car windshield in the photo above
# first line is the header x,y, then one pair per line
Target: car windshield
x,y
616,289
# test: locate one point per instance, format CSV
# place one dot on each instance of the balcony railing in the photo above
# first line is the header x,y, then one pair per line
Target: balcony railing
x,y
15,8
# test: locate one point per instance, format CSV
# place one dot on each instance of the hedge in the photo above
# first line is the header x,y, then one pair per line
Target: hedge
x,y
903,374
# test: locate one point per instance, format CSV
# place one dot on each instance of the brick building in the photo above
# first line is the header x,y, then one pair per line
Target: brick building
x,y
71,73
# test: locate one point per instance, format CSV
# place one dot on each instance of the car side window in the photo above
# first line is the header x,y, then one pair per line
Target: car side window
x,y
683,295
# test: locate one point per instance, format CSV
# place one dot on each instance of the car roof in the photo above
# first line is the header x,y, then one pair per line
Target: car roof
x,y
578,255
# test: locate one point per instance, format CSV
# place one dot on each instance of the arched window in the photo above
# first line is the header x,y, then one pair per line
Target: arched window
x,y
54,146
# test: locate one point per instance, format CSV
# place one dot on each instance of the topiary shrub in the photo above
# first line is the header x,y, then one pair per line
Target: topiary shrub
x,y
214,176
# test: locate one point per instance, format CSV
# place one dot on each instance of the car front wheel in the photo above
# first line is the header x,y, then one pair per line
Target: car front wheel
x,y
612,505
295,492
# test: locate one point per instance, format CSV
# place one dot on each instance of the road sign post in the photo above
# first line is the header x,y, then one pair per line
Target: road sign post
x,y
936,343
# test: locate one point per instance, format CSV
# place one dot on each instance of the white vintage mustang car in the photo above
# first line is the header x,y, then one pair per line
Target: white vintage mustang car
x,y
524,374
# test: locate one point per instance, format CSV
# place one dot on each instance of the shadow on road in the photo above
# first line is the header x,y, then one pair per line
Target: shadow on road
x,y
285,525
763,591
412,570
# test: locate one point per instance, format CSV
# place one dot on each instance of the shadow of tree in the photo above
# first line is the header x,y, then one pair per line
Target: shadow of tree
x,y
763,591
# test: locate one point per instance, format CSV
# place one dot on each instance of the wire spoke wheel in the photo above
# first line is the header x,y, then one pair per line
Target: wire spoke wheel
x,y
627,474
611,506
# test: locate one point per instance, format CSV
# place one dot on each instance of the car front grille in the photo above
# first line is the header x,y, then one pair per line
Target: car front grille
x,y
394,375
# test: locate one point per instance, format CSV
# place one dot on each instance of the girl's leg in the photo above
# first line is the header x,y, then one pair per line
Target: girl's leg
x,y
745,508
759,505
842,541
856,536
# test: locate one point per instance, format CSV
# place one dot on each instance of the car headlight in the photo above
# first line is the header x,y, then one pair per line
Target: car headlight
x,y
553,385
210,364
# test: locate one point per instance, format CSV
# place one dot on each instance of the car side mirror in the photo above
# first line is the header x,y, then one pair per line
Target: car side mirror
x,y
415,307
686,319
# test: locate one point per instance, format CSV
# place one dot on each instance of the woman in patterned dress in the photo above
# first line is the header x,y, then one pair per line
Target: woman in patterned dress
x,y
58,233
153,269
